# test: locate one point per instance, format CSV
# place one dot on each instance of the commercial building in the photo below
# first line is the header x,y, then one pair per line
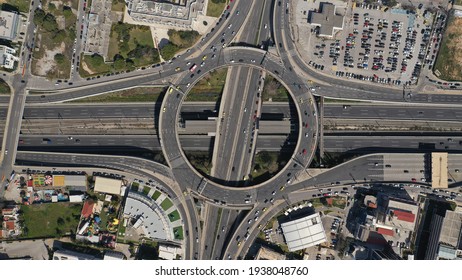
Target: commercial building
x,y
326,19
108,185
304,232
9,23
144,215
7,57
173,13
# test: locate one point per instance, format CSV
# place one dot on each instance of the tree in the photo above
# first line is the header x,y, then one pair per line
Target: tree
x,y
265,157
59,58
67,12
39,15
168,51
389,3
51,7
119,62
49,23
60,221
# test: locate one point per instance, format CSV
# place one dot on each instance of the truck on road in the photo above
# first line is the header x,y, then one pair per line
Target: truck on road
x,y
46,141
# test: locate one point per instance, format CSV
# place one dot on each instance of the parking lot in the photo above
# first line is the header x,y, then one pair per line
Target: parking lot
x,y
377,44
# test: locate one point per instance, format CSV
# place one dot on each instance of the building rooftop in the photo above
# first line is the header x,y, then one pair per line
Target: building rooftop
x,y
8,25
327,20
107,185
265,253
304,232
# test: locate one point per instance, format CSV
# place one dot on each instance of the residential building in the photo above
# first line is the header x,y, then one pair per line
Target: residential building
x,y
7,57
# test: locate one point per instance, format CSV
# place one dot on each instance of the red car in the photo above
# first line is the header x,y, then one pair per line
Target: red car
x,y
227,8
414,180
304,151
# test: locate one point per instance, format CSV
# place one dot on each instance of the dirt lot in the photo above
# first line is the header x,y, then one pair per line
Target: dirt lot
x,y
449,61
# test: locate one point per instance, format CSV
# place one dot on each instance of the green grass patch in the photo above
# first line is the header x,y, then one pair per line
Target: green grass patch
x,y
316,202
156,195
178,231
216,7
4,87
22,5
174,216
202,161
118,5
450,53
274,90
146,190
166,204
135,186
140,94
50,219
210,87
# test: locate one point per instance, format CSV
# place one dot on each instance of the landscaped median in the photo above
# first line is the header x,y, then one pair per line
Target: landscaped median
x,y
139,94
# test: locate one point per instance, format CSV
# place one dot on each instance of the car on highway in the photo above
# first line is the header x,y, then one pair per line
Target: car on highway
x,y
177,69
282,188
164,109
204,58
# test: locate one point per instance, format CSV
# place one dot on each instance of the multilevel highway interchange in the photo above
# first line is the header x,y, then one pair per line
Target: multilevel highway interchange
x,y
286,130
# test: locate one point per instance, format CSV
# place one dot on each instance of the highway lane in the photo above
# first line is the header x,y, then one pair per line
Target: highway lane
x,y
234,134
269,110
335,142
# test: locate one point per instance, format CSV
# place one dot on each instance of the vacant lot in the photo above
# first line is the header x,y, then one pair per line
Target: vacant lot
x,y
449,60
216,7
210,87
55,38
141,94
53,219
4,87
